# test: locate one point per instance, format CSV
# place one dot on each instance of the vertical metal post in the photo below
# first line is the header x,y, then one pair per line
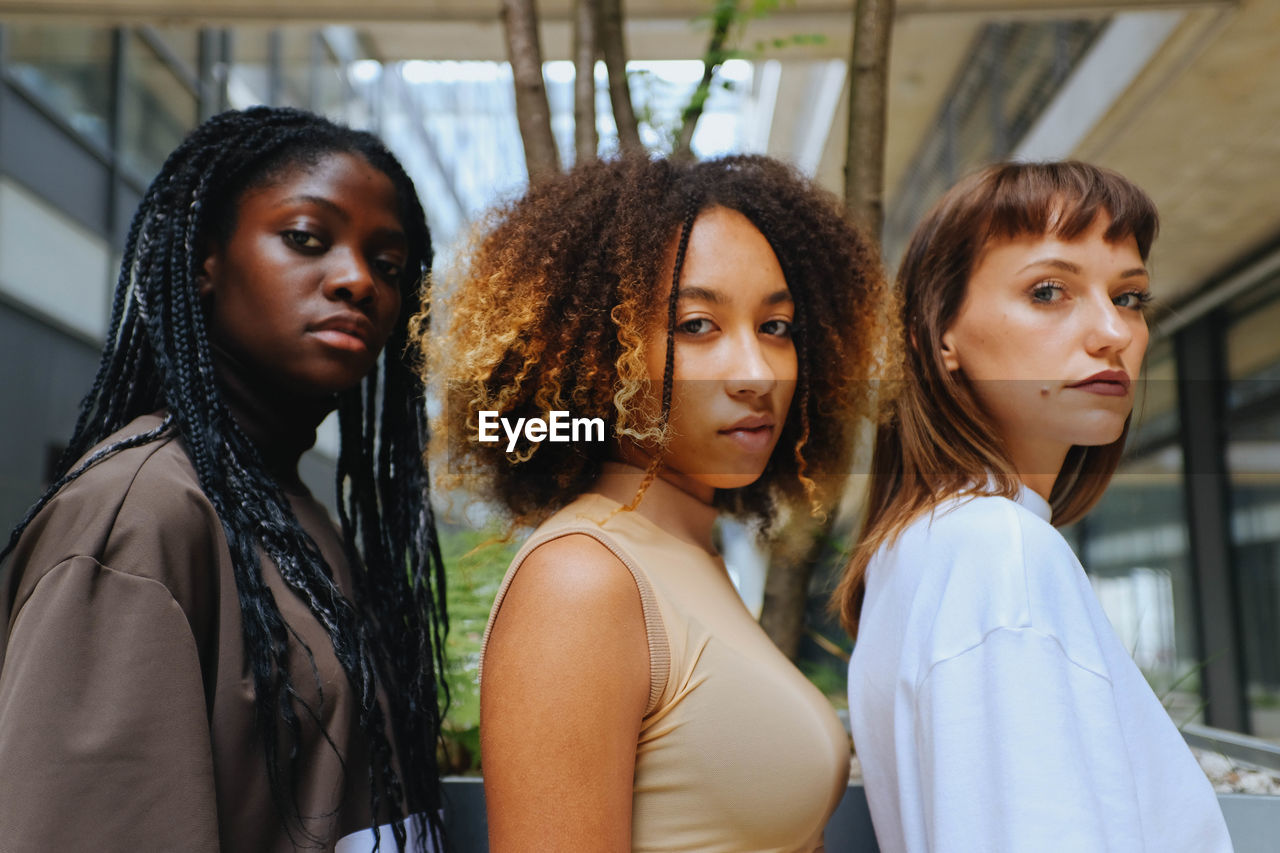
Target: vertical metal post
x,y
1061,61
4,62
275,69
1202,407
208,102
226,53
997,91
949,164
315,68
117,219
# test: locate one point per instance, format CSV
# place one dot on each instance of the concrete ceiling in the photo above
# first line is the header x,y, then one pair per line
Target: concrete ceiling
x,y
435,11
1200,130
1199,127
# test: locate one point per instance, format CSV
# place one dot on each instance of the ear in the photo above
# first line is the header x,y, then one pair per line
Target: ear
x,y
950,356
207,275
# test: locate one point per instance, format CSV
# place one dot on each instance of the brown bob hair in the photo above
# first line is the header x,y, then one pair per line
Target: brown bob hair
x,y
552,307
937,442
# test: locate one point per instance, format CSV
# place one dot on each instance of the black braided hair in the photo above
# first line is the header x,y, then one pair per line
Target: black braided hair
x,y
390,634
673,302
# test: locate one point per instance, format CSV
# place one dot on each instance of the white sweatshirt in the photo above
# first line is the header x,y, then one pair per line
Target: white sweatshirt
x,y
994,709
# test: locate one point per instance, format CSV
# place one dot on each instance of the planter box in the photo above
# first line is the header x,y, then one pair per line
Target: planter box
x,y
1254,821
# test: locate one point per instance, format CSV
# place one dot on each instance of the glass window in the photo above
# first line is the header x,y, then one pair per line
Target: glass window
x,y
158,110
1155,408
182,44
68,68
1135,546
297,51
249,79
332,94
1253,463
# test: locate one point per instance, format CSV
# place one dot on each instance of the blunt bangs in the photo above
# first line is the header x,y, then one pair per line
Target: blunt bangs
x,y
1064,199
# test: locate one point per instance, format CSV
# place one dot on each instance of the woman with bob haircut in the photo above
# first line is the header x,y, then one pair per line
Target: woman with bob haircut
x,y
992,705
722,319
193,656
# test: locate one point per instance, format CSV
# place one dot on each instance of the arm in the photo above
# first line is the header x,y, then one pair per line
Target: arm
x,y
1021,749
104,737
565,684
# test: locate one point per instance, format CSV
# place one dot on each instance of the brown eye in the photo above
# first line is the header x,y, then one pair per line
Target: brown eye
x,y
390,270
777,328
696,326
303,239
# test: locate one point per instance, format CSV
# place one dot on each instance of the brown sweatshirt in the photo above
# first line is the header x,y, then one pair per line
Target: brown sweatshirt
x,y
126,707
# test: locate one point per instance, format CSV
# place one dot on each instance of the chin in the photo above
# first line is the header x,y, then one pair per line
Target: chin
x,y
731,480
1099,432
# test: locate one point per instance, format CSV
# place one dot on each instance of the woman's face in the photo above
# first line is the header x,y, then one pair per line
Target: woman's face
x,y
306,289
735,362
1051,336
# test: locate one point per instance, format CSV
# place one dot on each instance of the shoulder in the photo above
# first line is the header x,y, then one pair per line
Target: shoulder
x,y
573,558
987,563
143,478
968,540
976,519
138,512
575,569
570,606
157,499
996,538
572,584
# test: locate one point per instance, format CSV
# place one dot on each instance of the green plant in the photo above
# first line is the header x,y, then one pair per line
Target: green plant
x,y
476,561
1189,682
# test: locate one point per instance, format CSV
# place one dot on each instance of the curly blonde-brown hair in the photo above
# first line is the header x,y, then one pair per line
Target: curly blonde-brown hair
x,y
552,308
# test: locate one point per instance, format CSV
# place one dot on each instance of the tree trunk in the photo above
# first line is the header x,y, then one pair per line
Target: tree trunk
x,y
586,40
792,558
868,97
722,18
613,47
795,554
520,24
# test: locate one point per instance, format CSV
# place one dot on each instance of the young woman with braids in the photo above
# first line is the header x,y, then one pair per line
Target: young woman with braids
x,y
992,706
723,319
193,656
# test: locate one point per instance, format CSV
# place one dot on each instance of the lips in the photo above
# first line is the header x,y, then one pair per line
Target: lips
x,y
753,433
1109,383
353,332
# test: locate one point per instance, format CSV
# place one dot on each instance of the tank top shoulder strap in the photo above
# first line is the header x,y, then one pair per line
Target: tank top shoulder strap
x,y
655,630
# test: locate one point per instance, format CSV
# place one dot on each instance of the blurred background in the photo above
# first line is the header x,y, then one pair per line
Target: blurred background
x,y
1181,96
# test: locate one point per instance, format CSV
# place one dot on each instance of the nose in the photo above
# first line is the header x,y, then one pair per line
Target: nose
x,y
350,278
752,375
1109,328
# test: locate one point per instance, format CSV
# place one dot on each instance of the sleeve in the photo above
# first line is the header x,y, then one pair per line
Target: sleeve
x,y
104,733
1022,749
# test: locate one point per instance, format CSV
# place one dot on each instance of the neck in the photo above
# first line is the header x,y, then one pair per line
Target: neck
x,y
682,513
1038,464
281,424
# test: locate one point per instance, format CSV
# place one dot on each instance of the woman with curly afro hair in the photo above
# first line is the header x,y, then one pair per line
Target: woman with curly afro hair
x,y
723,320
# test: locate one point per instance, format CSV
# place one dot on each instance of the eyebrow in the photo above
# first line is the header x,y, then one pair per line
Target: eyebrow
x,y
339,211
715,297
318,200
1067,266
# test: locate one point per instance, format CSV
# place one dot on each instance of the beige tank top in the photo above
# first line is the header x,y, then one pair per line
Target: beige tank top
x,y
738,751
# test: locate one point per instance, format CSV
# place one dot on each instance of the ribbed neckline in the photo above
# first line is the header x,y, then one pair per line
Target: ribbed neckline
x,y
281,426
665,506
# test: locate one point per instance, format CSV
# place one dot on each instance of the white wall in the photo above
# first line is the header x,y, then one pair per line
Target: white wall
x,y
51,264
